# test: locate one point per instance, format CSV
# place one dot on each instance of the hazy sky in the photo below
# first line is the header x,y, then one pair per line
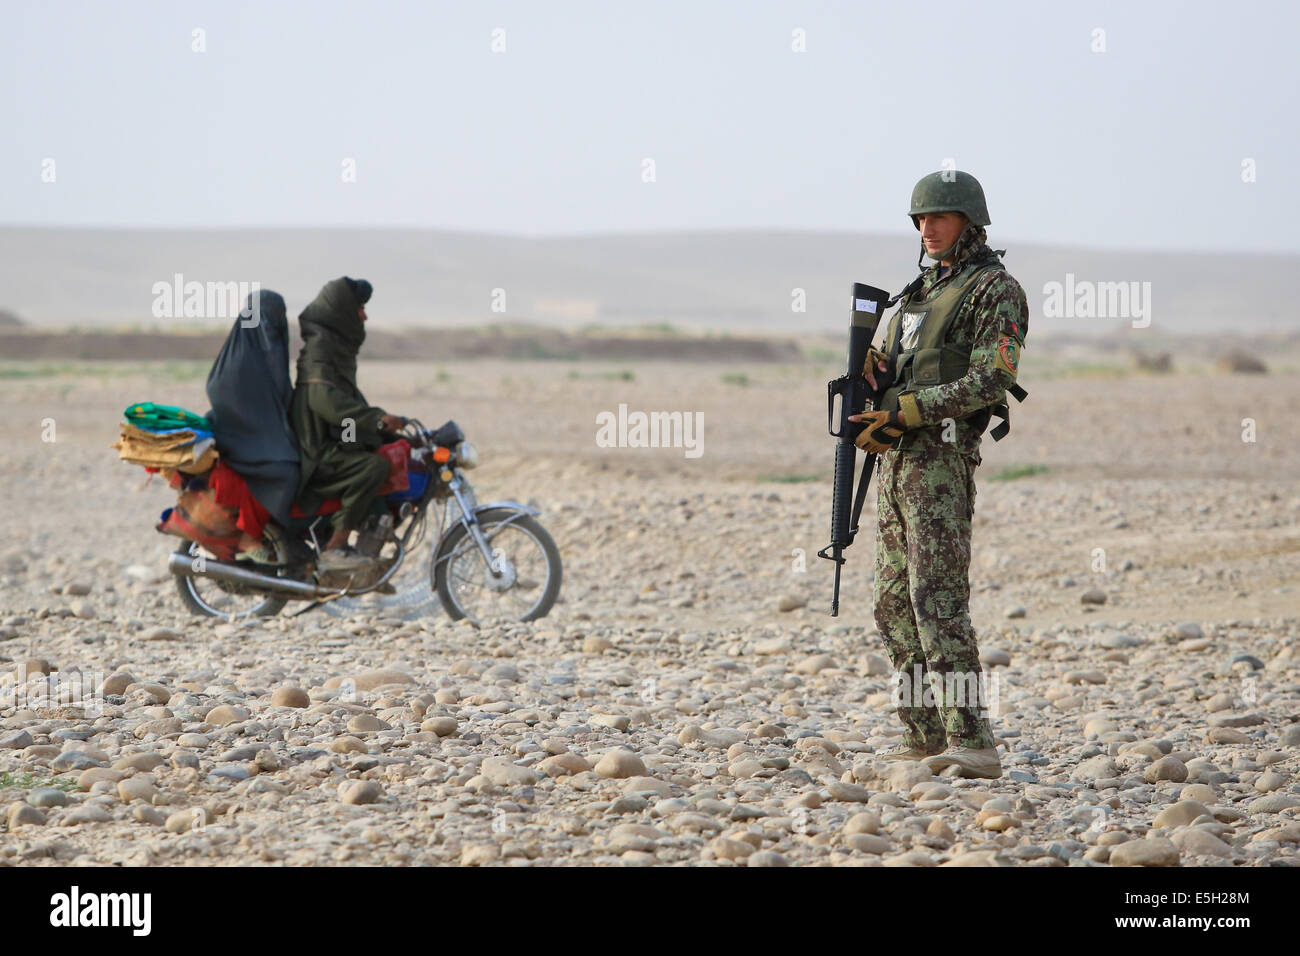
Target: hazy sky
x,y
1141,145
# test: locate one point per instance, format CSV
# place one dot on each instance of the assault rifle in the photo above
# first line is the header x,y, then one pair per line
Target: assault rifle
x,y
854,392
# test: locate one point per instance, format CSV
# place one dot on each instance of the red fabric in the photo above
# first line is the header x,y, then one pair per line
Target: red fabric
x,y
327,507
232,492
398,454
179,524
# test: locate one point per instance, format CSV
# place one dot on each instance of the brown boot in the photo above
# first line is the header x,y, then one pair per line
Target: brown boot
x,y
971,762
901,751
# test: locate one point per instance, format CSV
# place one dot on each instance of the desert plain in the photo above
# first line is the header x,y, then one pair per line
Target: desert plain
x,y
1135,585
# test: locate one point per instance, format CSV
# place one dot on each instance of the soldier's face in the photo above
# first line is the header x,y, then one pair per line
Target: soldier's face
x,y
939,230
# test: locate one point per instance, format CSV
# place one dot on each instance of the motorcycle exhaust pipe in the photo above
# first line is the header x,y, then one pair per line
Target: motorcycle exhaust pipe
x,y
182,565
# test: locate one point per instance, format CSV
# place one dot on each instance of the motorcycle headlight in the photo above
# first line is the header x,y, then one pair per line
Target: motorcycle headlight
x,y
467,455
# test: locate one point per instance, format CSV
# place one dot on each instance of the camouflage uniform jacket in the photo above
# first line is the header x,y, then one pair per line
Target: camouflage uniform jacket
x,y
993,322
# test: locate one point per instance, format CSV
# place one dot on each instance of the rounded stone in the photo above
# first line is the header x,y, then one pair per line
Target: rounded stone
x,y
1200,792
564,764
1197,842
46,797
1268,782
290,697
868,843
366,723
442,726
94,775
144,761
865,822
22,814
87,813
659,788
1180,814
369,680
161,727
156,693
506,774
619,764
137,788
360,792
726,848
1166,768
226,714
1272,803
1001,822
149,815
994,657
1152,851
191,818
116,683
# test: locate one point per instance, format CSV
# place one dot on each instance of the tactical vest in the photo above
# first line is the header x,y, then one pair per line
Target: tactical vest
x,y
929,358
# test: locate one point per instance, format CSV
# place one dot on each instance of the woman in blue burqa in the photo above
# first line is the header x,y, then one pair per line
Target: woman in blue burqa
x,y
250,393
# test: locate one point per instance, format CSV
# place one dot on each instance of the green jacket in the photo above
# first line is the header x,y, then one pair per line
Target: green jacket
x,y
332,419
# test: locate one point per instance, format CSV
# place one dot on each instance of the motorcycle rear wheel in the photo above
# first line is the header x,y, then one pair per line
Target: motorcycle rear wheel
x,y
208,598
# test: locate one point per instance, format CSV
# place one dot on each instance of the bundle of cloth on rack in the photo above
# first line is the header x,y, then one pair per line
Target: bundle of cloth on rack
x,y
165,438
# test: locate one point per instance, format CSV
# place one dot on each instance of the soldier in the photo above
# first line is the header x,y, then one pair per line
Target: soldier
x,y
950,355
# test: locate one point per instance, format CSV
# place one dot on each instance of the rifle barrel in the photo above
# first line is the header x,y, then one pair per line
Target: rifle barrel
x,y
835,595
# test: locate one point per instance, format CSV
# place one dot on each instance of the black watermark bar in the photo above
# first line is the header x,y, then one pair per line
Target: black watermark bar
x,y
147,905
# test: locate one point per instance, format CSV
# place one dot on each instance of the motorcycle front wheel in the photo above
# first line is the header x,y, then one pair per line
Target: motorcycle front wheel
x,y
526,557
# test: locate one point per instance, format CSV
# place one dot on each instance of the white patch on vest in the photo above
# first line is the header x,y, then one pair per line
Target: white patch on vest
x,y
865,305
912,328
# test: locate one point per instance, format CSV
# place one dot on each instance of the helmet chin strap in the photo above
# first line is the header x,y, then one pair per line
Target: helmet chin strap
x,y
946,253
920,264
939,256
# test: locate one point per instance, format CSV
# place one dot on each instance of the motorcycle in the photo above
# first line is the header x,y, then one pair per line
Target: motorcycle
x,y
487,561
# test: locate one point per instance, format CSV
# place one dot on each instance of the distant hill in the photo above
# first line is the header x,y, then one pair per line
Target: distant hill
x,y
419,344
731,281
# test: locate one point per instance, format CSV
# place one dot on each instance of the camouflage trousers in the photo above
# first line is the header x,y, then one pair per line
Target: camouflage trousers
x,y
925,499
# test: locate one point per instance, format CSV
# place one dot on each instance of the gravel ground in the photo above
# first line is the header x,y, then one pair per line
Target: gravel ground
x,y
689,700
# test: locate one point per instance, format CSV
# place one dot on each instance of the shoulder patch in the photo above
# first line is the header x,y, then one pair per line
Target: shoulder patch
x,y
1008,354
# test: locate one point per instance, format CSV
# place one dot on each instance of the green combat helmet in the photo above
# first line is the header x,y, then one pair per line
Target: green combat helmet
x,y
950,191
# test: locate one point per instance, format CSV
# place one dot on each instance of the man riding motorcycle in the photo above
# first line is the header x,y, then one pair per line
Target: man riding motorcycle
x,y
338,430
